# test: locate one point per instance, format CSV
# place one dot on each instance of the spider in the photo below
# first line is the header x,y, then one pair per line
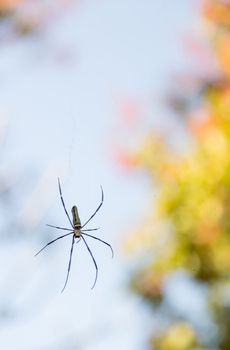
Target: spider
x,y
78,233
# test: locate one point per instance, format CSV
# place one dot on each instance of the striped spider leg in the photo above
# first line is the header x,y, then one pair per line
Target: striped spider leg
x,y
78,232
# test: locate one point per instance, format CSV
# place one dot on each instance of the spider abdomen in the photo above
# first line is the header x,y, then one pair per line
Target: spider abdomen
x,y
76,218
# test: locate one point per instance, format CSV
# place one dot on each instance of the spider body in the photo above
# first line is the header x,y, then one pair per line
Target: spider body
x,y
78,232
76,222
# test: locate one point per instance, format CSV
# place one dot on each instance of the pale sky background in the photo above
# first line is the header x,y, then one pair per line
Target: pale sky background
x,y
61,120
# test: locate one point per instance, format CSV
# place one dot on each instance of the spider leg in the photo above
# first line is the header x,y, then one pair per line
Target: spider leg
x,y
54,240
102,199
70,259
95,264
92,229
59,228
100,241
63,203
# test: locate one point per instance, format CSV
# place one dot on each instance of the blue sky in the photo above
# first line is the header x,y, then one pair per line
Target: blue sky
x,y
61,118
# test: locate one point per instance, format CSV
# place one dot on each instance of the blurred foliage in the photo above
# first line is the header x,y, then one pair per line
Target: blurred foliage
x,y
22,17
191,211
179,336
